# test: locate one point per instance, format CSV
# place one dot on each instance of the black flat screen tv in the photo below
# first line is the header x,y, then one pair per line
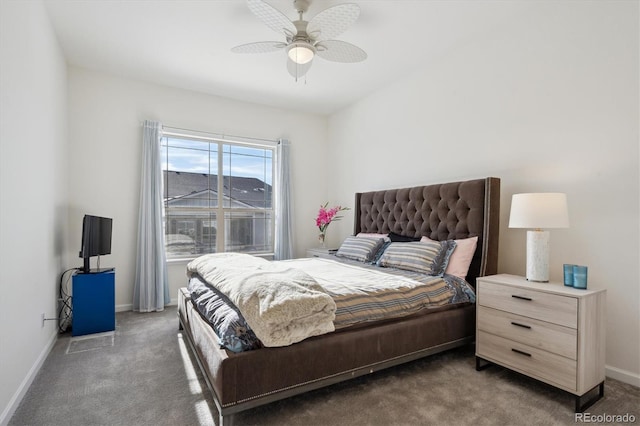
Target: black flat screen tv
x,y
96,240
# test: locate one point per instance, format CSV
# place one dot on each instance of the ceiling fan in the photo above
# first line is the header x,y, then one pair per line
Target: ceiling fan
x,y
306,39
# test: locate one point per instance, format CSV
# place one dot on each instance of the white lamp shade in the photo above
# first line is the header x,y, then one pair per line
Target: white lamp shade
x,y
539,211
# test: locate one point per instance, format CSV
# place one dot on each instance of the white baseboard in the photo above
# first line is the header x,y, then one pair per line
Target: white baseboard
x,y
129,306
26,383
623,375
123,308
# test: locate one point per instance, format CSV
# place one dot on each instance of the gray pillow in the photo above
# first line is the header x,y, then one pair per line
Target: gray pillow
x,y
362,249
430,258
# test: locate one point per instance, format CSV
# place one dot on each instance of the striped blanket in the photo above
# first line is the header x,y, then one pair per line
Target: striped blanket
x,y
370,294
361,294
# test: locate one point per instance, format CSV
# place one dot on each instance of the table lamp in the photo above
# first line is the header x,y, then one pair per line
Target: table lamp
x,y
538,211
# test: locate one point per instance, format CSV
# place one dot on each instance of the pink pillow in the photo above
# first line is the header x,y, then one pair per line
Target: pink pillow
x,y
461,257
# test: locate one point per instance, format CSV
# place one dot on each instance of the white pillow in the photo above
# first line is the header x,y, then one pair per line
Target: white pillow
x,y
461,257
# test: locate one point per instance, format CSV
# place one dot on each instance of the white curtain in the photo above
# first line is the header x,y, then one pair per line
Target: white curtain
x,y
151,290
283,206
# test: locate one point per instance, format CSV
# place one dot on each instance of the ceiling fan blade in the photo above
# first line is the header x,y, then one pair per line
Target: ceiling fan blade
x,y
259,47
340,51
272,17
333,21
298,70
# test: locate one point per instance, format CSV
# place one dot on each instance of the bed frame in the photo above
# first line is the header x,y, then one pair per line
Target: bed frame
x,y
241,381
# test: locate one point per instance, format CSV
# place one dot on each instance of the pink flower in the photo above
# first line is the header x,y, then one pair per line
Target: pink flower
x,y
326,216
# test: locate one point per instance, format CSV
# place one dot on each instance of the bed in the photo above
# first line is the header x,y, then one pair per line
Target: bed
x,y
448,211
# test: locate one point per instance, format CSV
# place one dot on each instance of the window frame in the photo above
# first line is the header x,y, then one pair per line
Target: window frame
x,y
221,211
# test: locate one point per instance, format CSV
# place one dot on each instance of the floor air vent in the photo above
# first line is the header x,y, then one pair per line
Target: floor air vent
x,y
90,343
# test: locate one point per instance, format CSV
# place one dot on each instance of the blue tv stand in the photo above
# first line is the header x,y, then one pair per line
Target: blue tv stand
x,y
93,303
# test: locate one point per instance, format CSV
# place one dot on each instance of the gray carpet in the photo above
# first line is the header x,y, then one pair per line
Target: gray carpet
x,y
149,377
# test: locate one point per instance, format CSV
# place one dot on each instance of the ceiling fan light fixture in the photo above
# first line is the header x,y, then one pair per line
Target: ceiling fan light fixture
x,y
301,52
306,39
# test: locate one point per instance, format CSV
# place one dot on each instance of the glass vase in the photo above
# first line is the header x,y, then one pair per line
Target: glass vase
x,y
321,239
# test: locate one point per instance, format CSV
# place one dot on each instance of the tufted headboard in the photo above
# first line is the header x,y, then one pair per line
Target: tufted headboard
x,y
442,211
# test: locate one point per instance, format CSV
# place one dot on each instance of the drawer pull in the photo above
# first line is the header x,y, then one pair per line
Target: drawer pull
x,y
521,297
520,352
521,325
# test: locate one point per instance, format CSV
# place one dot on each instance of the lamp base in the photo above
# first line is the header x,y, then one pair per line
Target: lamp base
x,y
538,256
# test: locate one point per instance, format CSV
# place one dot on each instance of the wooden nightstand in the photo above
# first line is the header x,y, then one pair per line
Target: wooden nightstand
x,y
323,253
546,331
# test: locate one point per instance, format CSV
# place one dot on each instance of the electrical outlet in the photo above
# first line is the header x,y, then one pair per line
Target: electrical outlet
x,y
42,319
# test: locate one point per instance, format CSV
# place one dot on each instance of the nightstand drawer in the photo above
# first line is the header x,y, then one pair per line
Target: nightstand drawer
x,y
533,362
554,308
539,334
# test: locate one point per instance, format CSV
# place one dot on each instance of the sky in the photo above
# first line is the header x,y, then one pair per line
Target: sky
x,y
195,156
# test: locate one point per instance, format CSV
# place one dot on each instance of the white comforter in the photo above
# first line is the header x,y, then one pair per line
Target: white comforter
x,y
281,304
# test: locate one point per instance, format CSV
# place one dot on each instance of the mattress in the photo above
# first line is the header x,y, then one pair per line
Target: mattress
x,y
362,294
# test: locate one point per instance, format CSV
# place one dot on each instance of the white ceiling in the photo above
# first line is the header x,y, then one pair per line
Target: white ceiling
x,y
186,44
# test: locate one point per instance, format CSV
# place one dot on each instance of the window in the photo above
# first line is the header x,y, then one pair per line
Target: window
x,y
218,194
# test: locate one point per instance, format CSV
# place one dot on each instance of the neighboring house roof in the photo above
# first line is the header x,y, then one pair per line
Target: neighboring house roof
x,y
251,192
206,198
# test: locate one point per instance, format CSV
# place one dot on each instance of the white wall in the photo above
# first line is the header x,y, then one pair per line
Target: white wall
x,y
33,181
548,102
105,114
